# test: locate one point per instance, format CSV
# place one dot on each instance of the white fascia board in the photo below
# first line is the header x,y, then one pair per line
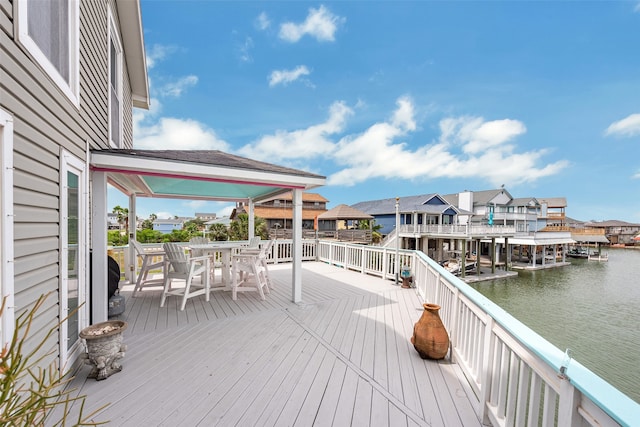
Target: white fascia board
x,y
169,168
132,36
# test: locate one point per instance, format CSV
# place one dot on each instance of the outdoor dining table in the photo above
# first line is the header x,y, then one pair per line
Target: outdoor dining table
x,y
225,249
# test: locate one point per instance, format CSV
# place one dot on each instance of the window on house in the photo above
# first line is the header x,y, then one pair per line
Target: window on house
x,y
49,31
115,86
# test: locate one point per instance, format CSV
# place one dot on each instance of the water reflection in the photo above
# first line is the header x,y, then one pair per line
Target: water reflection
x,y
590,307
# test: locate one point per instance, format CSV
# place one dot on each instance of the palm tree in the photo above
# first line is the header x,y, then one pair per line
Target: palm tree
x,y
122,214
239,228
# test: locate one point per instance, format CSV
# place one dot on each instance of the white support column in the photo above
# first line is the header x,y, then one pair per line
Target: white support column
x,y
252,221
130,263
296,275
98,291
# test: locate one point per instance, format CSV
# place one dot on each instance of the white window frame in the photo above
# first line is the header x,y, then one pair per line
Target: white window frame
x,y
70,88
115,37
7,324
70,163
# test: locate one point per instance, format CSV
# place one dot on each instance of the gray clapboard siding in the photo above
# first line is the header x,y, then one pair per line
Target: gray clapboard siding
x,y
24,247
23,196
36,184
94,66
37,101
30,286
36,161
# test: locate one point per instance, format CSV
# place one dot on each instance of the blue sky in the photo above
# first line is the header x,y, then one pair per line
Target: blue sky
x,y
398,98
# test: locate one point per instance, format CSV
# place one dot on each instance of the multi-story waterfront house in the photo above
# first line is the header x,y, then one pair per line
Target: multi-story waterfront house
x,y
489,223
278,212
617,232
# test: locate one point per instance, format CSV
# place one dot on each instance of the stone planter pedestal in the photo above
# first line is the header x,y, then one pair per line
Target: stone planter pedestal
x,y
104,348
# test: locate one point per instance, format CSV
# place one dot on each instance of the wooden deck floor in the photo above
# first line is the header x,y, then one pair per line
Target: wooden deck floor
x,y
342,357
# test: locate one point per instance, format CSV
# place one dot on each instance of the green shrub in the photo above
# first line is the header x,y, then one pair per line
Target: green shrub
x,y
31,395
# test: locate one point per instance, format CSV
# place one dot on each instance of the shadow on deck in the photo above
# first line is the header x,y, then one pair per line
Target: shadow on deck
x,y
342,357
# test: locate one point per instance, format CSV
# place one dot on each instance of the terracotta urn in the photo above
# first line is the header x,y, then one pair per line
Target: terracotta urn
x,y
104,348
430,338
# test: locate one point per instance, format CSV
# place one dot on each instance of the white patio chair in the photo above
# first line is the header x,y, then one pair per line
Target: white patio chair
x,y
184,268
147,266
250,272
262,255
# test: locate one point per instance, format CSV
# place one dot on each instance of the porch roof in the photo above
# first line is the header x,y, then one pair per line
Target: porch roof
x,y
197,175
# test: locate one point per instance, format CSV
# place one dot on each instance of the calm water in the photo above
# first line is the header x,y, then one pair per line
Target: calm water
x,y
590,307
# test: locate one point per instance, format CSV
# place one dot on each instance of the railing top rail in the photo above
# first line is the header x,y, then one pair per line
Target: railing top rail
x,y
618,405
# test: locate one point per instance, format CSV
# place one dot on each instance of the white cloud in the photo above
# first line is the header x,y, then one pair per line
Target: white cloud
x,y
262,21
629,126
637,8
245,50
287,76
468,147
196,204
301,144
176,134
637,175
320,23
158,53
176,88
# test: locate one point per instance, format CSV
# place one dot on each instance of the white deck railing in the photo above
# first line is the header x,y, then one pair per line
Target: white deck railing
x,y
519,378
466,230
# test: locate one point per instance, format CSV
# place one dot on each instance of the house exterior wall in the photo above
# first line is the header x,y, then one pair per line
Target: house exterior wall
x,y
46,122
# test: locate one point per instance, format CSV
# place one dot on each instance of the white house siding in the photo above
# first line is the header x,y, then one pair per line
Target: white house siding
x,y
46,121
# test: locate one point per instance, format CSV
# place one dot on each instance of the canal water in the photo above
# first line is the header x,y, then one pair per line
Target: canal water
x,y
591,307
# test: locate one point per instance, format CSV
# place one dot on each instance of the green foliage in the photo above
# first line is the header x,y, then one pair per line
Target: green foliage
x,y
122,214
147,224
149,236
239,229
31,395
115,238
218,232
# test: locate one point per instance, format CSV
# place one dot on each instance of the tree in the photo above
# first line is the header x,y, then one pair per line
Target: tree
x,y
365,224
147,224
239,229
218,232
116,238
148,236
122,214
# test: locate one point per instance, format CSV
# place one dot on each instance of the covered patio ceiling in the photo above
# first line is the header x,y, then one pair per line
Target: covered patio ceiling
x,y
192,175
197,175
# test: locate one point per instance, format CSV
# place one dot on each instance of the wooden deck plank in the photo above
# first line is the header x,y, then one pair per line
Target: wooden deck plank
x,y
292,407
284,394
327,407
309,409
229,409
342,357
362,404
346,403
405,351
204,393
379,410
276,391
380,346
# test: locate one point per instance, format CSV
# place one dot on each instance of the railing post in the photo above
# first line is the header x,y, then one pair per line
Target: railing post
x,y
568,404
487,371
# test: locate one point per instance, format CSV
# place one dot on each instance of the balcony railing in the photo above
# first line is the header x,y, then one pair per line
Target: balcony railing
x,y
467,230
518,377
